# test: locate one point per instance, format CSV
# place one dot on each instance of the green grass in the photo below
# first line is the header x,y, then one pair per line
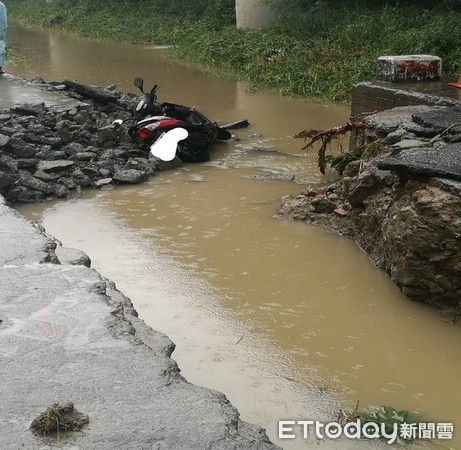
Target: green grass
x,y
320,53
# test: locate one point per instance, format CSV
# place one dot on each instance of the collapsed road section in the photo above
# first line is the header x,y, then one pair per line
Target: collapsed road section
x,y
68,335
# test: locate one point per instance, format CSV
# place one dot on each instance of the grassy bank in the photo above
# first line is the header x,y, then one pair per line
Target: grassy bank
x,y
318,53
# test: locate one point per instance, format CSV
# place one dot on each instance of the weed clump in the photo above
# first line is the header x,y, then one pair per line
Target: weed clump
x,y
59,417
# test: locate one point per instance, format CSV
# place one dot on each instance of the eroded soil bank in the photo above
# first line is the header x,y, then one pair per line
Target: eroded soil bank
x,y
402,207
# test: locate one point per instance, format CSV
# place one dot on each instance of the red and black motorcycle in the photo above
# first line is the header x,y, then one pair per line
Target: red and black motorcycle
x,y
153,119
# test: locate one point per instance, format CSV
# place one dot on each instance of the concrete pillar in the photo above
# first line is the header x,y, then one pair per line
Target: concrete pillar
x,y
253,13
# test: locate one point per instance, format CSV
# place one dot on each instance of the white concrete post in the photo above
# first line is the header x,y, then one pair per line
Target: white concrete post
x,y
253,13
408,68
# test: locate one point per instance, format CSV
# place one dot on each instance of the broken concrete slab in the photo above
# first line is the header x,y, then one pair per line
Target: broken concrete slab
x,y
55,166
72,256
440,119
22,241
442,162
5,180
382,95
452,186
391,120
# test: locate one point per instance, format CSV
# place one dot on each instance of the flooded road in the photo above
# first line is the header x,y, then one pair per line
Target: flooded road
x,y
290,321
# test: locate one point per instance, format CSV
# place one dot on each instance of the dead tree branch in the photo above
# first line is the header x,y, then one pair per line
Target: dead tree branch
x,y
326,136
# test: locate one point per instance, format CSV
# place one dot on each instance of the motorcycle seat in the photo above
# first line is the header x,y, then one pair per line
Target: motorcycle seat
x,y
178,112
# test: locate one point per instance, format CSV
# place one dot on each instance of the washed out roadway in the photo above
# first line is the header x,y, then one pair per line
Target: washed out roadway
x,y
66,333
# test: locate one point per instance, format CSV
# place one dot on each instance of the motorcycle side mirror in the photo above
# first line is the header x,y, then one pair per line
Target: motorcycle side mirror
x,y
139,83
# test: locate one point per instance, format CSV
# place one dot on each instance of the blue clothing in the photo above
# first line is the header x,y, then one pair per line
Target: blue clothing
x,y
3,25
3,21
2,53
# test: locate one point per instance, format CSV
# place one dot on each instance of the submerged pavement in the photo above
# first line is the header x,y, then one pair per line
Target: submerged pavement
x,y
66,333
16,91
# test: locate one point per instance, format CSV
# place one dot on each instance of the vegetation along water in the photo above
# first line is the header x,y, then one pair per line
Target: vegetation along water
x,y
316,48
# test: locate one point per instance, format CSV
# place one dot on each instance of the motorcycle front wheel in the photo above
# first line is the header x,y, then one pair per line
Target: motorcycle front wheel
x,y
188,153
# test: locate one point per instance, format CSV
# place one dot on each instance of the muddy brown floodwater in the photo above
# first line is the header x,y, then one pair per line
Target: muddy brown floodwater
x,y
289,320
